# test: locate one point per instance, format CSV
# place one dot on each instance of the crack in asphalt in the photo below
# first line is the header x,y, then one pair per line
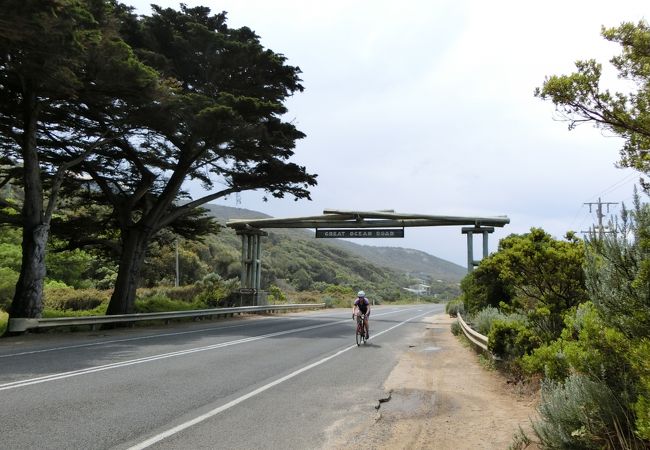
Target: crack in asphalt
x,y
384,400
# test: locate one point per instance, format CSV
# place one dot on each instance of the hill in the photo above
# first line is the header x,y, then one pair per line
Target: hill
x,y
408,260
416,263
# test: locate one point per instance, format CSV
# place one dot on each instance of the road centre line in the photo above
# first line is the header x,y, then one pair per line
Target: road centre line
x,y
74,373
177,429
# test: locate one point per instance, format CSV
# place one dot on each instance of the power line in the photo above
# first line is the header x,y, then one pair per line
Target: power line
x,y
617,184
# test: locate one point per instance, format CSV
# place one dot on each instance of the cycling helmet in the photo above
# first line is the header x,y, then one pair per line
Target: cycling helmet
x,y
361,294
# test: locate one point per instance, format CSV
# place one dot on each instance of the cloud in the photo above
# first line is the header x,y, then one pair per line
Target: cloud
x,y
428,107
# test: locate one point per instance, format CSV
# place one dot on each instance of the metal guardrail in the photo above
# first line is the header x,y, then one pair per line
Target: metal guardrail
x,y
475,337
19,325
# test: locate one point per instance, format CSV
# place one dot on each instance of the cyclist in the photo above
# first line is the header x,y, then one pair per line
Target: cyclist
x,y
362,306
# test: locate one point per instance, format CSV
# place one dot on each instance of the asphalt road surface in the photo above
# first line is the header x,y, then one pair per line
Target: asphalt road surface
x,y
278,382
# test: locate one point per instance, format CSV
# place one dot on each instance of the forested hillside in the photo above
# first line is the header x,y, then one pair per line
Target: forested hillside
x,y
293,262
415,262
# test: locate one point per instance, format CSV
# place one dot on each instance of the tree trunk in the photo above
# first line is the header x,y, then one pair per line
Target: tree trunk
x,y
134,248
28,299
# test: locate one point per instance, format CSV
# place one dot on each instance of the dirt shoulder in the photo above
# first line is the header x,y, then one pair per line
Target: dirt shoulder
x,y
440,397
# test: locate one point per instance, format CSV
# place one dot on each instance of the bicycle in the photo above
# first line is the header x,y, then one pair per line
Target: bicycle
x,y
361,329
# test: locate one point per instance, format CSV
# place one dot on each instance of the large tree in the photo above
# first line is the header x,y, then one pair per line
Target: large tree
x,y
579,98
59,59
219,123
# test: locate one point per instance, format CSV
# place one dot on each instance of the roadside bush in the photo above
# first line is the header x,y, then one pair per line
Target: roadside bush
x,y
456,329
182,293
511,339
100,310
583,414
640,357
276,295
160,303
482,322
67,298
483,287
4,319
304,297
587,345
8,280
329,301
549,360
338,291
454,307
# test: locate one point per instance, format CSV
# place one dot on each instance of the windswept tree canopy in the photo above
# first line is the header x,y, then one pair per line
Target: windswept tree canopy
x,y
217,121
123,111
59,60
579,97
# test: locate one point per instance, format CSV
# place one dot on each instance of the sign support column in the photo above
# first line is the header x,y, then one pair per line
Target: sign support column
x,y
470,231
251,267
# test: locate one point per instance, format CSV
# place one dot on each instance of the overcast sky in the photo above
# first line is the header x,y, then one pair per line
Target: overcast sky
x,y
427,107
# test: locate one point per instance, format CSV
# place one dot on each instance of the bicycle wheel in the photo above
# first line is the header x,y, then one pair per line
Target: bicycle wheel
x,y
359,335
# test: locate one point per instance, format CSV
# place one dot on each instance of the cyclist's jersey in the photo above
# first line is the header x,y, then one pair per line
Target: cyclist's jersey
x,y
362,303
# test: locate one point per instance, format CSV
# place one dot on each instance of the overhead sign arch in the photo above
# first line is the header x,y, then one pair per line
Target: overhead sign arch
x,y
347,224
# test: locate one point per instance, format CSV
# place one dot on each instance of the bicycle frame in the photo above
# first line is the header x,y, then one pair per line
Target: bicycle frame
x,y
361,329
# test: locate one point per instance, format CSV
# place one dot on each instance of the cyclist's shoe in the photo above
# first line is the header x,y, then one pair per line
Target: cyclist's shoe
x,y
367,335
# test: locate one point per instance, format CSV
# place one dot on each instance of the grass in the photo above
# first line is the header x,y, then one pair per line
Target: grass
x,y
487,362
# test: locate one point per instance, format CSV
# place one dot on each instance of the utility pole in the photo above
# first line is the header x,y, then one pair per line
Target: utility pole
x,y
599,214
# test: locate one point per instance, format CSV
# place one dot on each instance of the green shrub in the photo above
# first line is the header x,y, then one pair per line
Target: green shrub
x,y
55,313
11,255
304,297
4,318
160,303
484,287
329,301
337,291
587,345
642,411
454,307
276,295
456,329
215,291
66,298
211,291
640,357
182,293
8,280
56,284
510,339
482,322
583,414
549,360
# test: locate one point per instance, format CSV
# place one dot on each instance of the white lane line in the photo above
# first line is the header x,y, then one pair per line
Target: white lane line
x,y
117,341
153,336
74,373
159,437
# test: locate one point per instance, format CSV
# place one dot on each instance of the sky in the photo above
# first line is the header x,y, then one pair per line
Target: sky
x,y
428,107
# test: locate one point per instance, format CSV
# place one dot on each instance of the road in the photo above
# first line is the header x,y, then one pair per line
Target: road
x,y
289,381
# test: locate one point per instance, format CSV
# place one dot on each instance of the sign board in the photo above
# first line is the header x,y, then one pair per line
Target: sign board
x,y
361,233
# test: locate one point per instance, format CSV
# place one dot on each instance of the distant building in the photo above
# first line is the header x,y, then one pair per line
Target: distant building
x,y
419,289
